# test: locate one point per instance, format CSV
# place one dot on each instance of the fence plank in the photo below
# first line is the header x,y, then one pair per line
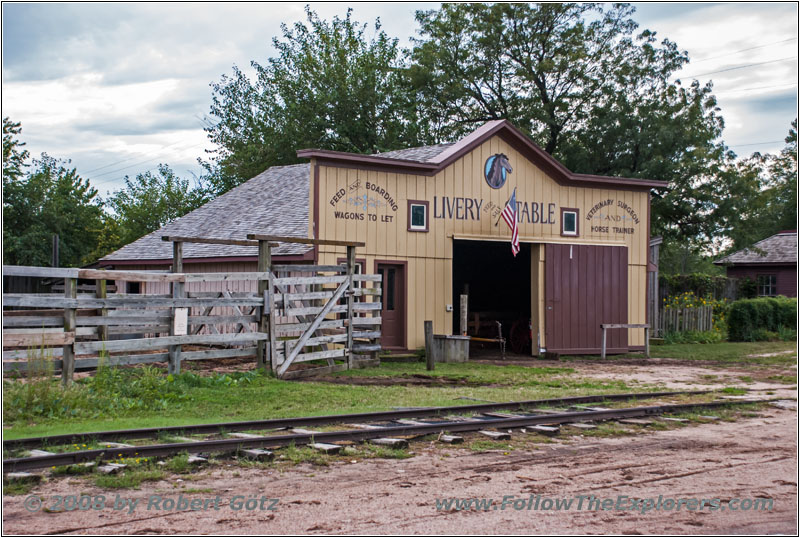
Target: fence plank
x,y
37,339
33,321
287,328
298,280
164,341
218,353
40,272
313,356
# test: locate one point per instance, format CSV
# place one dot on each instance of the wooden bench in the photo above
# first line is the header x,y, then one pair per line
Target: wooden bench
x,y
645,326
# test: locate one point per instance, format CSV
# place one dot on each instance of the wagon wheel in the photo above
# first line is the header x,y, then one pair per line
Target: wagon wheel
x,y
521,337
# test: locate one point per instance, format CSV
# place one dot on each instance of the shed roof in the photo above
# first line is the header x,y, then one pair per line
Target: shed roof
x,y
779,248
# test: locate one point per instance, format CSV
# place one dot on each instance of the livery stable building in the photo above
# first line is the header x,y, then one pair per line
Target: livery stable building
x,y
430,218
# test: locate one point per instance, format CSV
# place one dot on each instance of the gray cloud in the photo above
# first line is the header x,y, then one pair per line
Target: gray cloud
x,y
109,82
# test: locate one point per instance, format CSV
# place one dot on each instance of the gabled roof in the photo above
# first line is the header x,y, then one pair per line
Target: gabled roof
x,y
274,202
412,164
781,248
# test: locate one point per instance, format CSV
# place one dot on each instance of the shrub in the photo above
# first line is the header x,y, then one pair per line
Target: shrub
x,y
693,337
765,318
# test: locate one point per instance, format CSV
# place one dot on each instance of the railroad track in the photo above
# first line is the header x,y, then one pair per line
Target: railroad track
x,y
445,419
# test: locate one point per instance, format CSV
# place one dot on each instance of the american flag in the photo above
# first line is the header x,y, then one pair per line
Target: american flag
x,y
509,215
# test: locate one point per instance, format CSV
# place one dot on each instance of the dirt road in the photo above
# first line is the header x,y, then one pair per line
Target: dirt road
x,y
751,458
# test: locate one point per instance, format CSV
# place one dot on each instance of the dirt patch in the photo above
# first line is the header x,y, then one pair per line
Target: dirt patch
x,y
752,458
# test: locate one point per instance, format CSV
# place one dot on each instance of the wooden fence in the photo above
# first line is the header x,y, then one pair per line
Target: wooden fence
x,y
290,320
686,319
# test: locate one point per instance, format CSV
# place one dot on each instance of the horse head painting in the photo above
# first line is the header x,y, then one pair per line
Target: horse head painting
x,y
496,170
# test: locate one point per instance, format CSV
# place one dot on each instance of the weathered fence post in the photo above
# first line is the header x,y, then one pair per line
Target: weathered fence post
x,y
101,293
464,313
68,355
351,267
177,293
429,362
265,265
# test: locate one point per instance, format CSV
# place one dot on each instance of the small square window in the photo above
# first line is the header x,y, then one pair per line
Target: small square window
x,y
767,285
417,216
569,221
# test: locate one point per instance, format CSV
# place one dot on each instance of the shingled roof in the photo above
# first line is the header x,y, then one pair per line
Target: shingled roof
x,y
421,154
780,248
275,202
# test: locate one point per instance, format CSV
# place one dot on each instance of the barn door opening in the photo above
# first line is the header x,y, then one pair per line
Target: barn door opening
x,y
499,289
585,286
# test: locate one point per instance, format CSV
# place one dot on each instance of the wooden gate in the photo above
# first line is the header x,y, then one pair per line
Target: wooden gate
x,y
585,286
329,314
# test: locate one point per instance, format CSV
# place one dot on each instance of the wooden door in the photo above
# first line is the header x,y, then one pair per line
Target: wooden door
x,y
585,286
393,310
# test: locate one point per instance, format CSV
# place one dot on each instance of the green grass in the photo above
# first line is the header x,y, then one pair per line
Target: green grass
x,y
192,399
730,352
147,397
128,479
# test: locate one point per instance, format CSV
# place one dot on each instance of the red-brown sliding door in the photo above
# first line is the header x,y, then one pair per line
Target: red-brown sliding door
x,y
585,286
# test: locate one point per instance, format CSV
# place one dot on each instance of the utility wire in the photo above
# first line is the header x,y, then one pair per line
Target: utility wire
x,y
759,88
134,156
142,162
757,143
743,50
737,67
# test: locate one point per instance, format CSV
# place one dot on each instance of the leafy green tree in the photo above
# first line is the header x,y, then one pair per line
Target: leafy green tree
x,y
589,89
50,199
13,158
332,86
147,203
761,196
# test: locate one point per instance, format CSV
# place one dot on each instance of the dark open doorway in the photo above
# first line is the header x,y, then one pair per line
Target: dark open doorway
x,y
499,289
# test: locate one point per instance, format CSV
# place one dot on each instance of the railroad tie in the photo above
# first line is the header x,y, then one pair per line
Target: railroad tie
x,y
257,454
390,442
451,439
23,477
326,448
635,421
497,436
581,425
550,431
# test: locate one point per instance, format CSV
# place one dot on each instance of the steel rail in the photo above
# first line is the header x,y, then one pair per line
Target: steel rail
x,y
277,441
276,423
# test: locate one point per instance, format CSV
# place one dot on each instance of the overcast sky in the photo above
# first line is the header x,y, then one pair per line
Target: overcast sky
x,y
119,88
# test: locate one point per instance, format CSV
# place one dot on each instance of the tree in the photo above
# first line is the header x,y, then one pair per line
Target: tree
x,y
147,203
51,199
761,199
587,88
13,158
330,87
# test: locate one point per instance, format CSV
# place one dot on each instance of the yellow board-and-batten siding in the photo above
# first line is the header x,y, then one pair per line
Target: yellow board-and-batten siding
x,y
429,254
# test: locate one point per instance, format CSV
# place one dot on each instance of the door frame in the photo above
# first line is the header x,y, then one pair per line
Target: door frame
x,y
404,302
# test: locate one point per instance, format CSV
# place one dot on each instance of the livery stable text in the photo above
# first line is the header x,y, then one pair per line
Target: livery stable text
x,y
461,208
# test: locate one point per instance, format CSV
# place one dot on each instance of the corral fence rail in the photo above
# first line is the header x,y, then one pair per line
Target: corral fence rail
x,y
327,315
